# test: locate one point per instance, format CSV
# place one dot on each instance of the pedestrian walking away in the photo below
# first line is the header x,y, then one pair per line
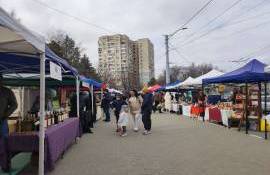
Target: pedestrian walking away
x,y
135,102
147,110
105,105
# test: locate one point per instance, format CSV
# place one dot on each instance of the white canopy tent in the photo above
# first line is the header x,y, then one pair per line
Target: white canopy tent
x,y
267,69
17,39
211,74
188,81
115,91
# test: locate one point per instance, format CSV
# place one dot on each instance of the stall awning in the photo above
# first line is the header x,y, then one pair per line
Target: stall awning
x,y
172,84
187,82
20,49
16,38
20,63
252,72
211,74
154,88
91,82
33,80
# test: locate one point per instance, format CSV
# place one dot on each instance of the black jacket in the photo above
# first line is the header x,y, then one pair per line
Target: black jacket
x,y
106,101
117,104
147,104
8,103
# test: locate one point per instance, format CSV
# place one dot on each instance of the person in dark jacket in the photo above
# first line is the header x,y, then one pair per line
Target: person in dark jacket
x,y
95,108
8,104
146,110
105,105
92,110
117,106
83,110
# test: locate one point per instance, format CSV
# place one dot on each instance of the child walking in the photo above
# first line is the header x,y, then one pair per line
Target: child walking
x,y
123,120
117,106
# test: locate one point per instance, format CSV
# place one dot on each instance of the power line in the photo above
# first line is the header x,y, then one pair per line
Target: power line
x,y
222,26
252,54
85,21
179,53
250,9
246,19
219,26
250,28
192,17
215,18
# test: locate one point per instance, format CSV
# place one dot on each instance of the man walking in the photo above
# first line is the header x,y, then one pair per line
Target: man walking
x,y
105,105
147,110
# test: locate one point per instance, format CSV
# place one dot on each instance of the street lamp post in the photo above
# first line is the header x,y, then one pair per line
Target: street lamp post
x,y
167,37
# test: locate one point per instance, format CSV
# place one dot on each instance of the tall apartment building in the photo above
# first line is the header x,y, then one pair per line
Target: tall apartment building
x,y
122,61
146,60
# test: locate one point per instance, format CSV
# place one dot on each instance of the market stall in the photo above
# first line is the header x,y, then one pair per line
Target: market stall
x,y
22,51
183,105
246,106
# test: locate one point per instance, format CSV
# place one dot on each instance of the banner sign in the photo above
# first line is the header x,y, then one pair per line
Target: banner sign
x,y
55,71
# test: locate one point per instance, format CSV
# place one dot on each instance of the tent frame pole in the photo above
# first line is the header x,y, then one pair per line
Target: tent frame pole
x,y
265,111
203,103
246,108
260,105
78,96
42,114
92,98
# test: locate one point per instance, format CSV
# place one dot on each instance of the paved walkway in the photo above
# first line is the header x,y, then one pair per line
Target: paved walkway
x,y
177,146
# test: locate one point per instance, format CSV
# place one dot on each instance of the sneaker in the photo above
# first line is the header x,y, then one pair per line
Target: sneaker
x,y
124,135
146,132
136,129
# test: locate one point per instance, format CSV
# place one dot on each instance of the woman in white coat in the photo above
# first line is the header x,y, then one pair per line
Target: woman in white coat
x,y
135,102
168,102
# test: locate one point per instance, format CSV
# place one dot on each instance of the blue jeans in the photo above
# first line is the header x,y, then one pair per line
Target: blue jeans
x,y
107,113
4,128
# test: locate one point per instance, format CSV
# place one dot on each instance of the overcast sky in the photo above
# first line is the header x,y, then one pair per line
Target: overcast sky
x,y
240,32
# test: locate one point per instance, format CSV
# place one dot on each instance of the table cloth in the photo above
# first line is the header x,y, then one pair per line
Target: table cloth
x,y
175,107
215,115
225,115
57,140
186,110
206,114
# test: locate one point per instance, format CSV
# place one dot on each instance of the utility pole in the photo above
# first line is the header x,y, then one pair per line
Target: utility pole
x,y
167,37
168,80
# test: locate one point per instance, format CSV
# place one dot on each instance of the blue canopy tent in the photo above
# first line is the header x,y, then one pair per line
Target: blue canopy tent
x,y
172,84
166,87
252,72
91,82
25,63
23,51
